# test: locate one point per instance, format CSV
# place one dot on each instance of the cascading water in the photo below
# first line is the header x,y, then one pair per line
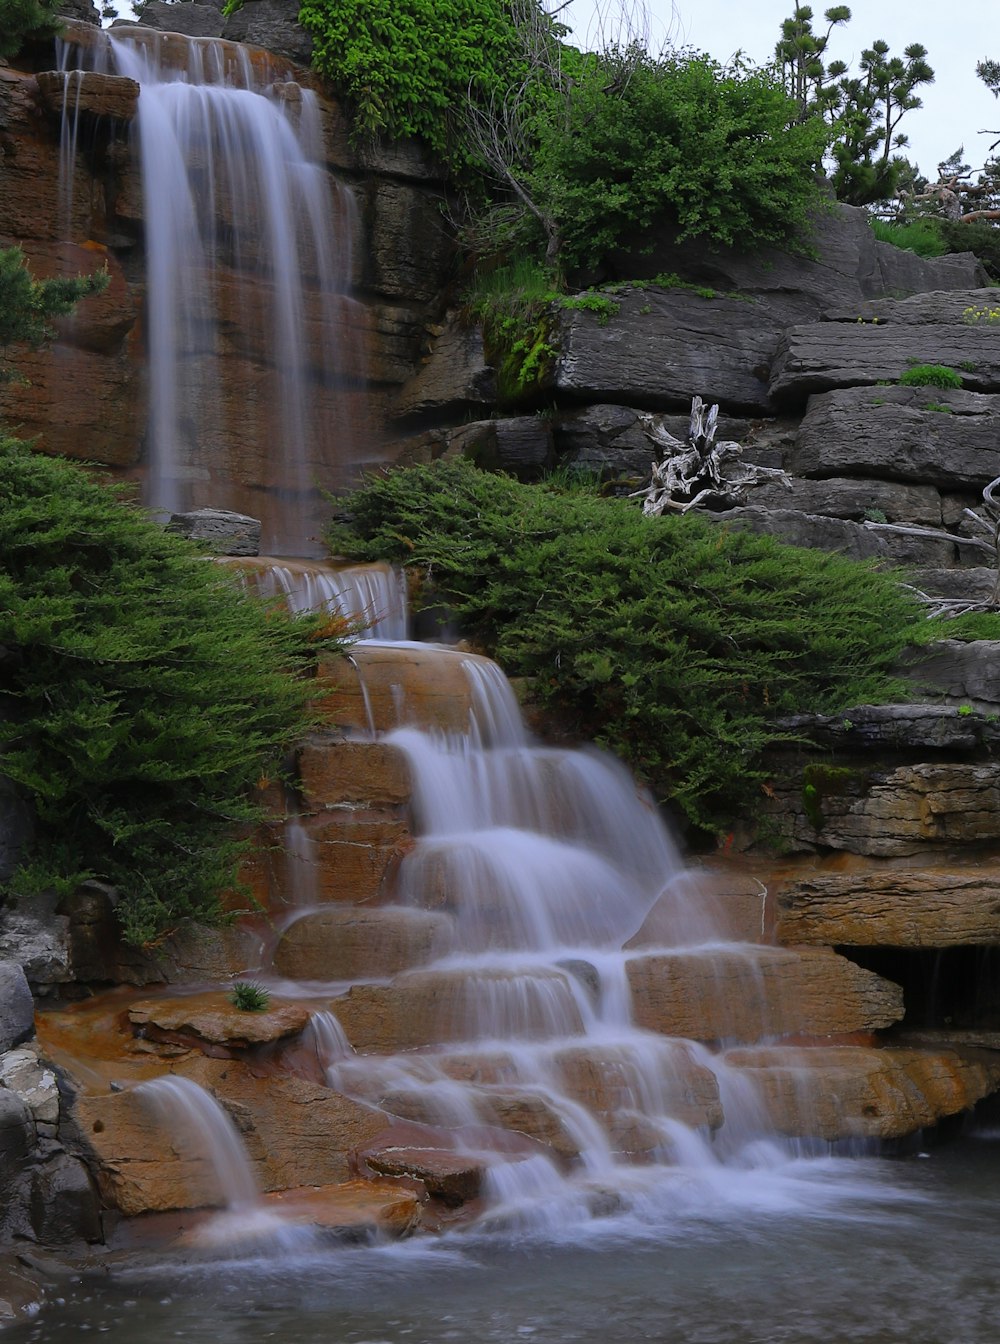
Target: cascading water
x,y
247,241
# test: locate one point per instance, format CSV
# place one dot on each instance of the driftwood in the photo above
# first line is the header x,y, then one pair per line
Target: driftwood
x,y
699,473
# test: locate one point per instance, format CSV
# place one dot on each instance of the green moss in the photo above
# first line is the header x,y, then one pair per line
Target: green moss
x,y
931,375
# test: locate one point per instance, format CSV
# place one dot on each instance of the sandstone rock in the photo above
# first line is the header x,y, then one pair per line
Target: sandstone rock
x,y
887,432
91,94
222,532
453,1177
211,1018
702,906
64,1203
613,1079
839,1093
895,812
664,347
745,993
351,944
333,772
193,953
17,1007
827,355
427,1007
454,378
894,908
352,852
379,689
352,1210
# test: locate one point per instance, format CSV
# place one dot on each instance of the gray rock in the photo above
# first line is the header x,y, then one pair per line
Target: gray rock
x,y
37,938
84,11
967,585
966,673
194,20
17,1007
454,378
273,25
409,249
664,347
828,355
24,1072
907,729
17,1136
843,265
609,441
223,532
843,497
64,1204
857,541
947,306
886,432
520,445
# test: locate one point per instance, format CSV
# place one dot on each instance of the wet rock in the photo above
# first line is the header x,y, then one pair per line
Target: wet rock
x,y
91,94
610,1079
17,1007
213,1019
452,1177
21,1293
64,1202
702,906
353,852
887,432
352,944
352,1210
745,993
24,1072
334,772
378,689
17,1139
222,532
893,908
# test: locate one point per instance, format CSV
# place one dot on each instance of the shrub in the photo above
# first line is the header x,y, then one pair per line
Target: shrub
x,y
25,19
143,695
931,375
921,236
673,641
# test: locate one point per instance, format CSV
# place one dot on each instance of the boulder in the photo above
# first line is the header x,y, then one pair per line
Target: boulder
x,y
64,1202
351,944
17,1007
26,1073
894,908
271,24
34,936
365,1211
743,993
827,355
190,18
454,1178
519,445
857,541
455,376
222,532
888,433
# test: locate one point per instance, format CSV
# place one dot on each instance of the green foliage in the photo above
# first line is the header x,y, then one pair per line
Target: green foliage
x,y
863,109
672,641
409,65
27,305
821,781
921,236
676,142
144,695
973,625
22,20
931,375
250,996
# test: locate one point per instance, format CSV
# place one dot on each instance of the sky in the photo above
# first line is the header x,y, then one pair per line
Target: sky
x,y
956,33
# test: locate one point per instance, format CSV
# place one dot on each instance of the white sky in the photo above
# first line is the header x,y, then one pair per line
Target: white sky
x,y
957,106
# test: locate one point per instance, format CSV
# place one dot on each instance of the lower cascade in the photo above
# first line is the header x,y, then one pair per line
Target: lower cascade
x,y
498,999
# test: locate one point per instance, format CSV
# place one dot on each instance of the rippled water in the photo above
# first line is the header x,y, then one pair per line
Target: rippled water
x,y
894,1251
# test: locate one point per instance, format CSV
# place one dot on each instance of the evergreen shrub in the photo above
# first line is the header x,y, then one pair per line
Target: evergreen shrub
x,y
143,695
673,641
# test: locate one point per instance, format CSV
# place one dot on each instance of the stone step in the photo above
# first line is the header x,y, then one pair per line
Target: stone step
x,y
347,943
748,993
849,1092
384,686
335,772
700,905
352,1210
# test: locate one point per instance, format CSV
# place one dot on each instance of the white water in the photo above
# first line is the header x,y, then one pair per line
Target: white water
x,y
370,597
247,240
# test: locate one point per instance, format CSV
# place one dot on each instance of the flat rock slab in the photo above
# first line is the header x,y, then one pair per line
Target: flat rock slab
x,y
456,375
833,1092
904,729
213,1018
453,1177
856,500
85,91
384,687
827,355
334,771
932,308
888,432
857,541
352,1210
898,908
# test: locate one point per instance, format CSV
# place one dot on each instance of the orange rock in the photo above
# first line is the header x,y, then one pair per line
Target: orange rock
x,y
333,772
351,1209
213,1018
351,944
423,686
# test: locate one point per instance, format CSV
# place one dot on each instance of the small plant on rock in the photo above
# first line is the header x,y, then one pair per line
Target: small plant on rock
x,y
250,997
931,375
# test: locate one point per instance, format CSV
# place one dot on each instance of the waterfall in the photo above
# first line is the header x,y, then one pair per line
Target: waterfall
x,y
247,242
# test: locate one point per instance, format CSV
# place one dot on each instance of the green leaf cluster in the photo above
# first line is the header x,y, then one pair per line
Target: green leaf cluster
x,y
142,695
681,143
21,20
673,641
28,306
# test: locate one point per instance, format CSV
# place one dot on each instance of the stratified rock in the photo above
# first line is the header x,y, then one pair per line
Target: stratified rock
x,y
454,1178
351,1210
842,1093
895,908
82,11
334,771
17,1007
611,1078
223,532
455,376
701,906
271,24
925,309
409,249
745,993
665,346
969,584
381,688
213,1018
887,432
856,500
519,445
610,441
38,940
827,355
967,672
854,540
887,729
64,1202
94,95
190,18
351,944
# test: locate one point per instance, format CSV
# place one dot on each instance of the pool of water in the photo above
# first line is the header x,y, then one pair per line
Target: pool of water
x,y
831,1251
